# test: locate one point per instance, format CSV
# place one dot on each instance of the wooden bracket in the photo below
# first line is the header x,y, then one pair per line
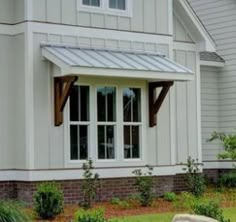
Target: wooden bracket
x,y
155,104
62,88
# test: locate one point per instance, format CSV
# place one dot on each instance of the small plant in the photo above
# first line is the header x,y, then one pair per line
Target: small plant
x,y
11,211
228,180
48,200
185,201
144,183
89,186
169,196
195,181
96,215
229,144
209,209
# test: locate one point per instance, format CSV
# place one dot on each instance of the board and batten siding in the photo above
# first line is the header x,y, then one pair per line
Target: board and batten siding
x,y
151,18
49,140
12,11
186,110
12,97
219,17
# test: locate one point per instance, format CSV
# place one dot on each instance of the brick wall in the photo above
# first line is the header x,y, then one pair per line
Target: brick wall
x,y
109,188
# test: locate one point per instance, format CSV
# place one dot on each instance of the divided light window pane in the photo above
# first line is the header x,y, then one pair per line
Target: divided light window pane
x,y
95,3
79,103
79,115
132,122
79,142
106,104
117,4
106,116
132,105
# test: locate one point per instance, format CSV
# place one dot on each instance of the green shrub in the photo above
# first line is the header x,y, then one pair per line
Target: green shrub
x,y
209,209
144,183
228,180
48,200
90,184
96,215
169,196
12,212
195,181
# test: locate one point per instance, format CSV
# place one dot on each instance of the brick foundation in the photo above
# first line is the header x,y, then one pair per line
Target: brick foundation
x,y
212,175
109,188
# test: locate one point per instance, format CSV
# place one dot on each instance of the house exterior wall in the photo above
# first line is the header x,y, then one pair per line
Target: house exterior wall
x,y
149,18
219,18
12,131
11,11
39,150
210,109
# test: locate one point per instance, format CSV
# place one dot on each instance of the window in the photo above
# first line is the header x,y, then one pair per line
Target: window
x,y
95,3
79,122
117,4
106,121
132,122
109,7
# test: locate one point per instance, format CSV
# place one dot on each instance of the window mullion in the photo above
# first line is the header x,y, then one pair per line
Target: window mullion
x,y
105,141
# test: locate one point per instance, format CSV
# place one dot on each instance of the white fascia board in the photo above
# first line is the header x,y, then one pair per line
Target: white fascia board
x,y
138,74
207,43
212,64
218,164
76,174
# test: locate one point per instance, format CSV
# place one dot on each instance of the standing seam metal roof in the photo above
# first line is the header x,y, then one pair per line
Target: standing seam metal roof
x,y
112,59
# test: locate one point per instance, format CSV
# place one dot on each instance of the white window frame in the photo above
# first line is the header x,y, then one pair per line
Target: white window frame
x,y
105,9
118,131
139,124
69,123
97,123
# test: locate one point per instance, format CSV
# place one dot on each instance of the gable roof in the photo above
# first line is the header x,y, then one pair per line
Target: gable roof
x,y
193,23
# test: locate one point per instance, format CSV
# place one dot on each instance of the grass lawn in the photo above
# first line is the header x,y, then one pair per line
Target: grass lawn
x,y
229,213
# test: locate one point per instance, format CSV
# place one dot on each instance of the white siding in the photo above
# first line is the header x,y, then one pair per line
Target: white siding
x,y
12,113
149,18
210,109
186,110
219,18
180,32
11,11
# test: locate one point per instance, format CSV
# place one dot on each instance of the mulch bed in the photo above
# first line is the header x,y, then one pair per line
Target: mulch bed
x,y
159,206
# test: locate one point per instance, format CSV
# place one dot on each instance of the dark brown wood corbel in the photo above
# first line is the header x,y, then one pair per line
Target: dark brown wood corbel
x,y
62,88
155,103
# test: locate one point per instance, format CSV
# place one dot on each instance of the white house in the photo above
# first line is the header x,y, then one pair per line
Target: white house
x,y
117,81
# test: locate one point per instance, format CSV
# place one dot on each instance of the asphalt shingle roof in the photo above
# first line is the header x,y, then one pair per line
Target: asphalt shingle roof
x,y
211,56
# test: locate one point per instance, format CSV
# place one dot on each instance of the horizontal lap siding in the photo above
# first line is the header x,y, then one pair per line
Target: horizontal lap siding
x,y
149,18
219,17
210,106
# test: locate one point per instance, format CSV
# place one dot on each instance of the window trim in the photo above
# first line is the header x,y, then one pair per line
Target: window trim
x,y
119,149
114,123
105,9
140,124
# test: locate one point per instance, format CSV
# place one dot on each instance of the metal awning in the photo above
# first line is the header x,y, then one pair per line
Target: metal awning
x,y
114,63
